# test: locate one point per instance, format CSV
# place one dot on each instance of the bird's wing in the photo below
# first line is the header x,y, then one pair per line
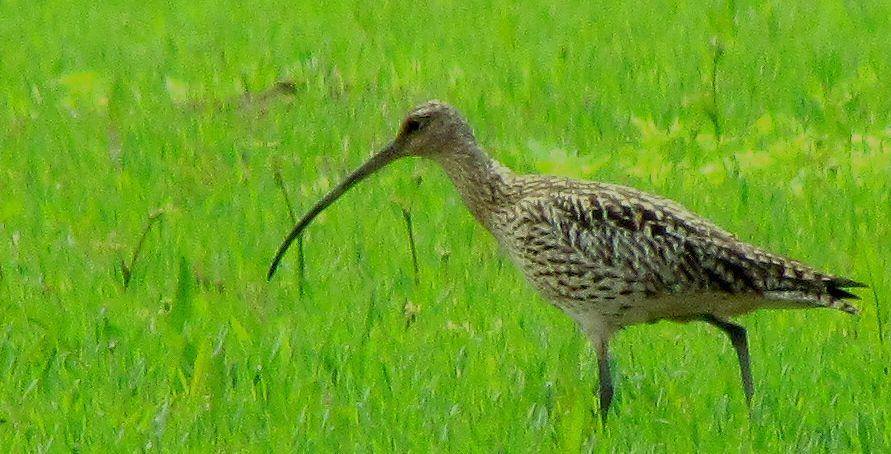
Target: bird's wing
x,y
656,246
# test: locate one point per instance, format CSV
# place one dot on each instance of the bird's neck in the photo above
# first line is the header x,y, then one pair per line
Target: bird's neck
x,y
485,184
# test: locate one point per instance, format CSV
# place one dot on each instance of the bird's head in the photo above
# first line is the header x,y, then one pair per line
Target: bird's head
x,y
434,130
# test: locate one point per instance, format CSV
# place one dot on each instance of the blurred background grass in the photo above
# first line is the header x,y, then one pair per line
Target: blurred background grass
x,y
772,118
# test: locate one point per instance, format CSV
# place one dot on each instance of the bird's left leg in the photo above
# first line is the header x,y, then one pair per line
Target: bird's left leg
x,y
606,379
737,335
600,334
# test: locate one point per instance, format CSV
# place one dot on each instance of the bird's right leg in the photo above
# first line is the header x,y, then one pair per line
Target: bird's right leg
x,y
737,335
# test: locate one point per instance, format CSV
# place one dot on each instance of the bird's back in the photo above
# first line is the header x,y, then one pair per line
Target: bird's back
x,y
586,245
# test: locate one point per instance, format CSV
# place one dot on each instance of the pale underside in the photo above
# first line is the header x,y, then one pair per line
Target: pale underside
x,y
611,256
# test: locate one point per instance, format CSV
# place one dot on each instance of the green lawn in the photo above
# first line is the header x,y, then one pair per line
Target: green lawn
x,y
771,118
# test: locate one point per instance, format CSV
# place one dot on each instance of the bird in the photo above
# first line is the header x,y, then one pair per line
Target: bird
x,y
609,256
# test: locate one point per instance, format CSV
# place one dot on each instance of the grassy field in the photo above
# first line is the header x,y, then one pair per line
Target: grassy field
x,y
772,118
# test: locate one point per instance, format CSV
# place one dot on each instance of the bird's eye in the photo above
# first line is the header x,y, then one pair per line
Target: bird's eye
x,y
412,125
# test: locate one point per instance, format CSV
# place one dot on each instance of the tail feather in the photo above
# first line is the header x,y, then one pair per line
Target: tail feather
x,y
825,292
842,282
839,293
835,288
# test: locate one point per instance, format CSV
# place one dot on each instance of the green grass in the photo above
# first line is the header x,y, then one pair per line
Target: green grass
x,y
111,110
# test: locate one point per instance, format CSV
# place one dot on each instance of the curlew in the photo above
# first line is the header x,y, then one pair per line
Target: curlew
x,y
609,256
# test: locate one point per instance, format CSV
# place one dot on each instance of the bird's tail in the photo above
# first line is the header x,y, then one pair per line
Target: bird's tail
x,y
824,291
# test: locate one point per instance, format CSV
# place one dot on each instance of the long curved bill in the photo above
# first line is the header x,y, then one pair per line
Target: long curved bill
x,y
379,160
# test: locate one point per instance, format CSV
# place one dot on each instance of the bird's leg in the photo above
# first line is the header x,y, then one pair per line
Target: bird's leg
x,y
737,335
606,380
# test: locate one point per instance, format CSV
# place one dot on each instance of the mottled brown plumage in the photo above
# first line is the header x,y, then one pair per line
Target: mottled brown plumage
x,y
610,256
